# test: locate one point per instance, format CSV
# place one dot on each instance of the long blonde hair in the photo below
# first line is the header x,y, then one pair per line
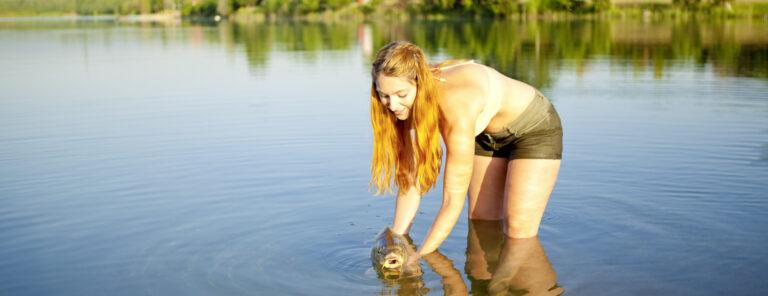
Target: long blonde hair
x,y
414,163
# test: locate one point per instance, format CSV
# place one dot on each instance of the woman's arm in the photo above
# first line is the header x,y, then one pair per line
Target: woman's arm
x,y
458,172
405,210
458,134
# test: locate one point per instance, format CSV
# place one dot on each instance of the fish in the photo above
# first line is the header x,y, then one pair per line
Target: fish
x,y
390,254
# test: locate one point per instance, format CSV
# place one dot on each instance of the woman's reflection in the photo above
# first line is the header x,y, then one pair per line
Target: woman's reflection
x,y
496,265
453,283
499,265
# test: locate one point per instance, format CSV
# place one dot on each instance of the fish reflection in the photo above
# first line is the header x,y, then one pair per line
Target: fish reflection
x,y
498,265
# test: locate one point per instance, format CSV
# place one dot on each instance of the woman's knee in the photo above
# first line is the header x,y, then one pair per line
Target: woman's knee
x,y
486,205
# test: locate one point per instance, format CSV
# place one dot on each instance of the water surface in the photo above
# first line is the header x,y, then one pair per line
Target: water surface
x,y
199,159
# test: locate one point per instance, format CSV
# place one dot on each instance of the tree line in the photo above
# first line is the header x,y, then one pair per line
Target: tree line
x,y
299,7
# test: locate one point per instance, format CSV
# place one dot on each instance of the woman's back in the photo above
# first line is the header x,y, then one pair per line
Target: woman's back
x,y
504,98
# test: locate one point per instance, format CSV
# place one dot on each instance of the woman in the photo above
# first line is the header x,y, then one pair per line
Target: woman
x,y
503,141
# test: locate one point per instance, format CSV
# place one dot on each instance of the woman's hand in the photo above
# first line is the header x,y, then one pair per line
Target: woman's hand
x,y
411,265
412,262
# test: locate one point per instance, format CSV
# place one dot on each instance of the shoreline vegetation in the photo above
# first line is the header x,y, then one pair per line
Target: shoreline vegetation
x,y
267,10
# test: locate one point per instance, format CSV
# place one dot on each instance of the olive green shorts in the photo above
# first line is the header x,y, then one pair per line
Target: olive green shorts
x,y
537,133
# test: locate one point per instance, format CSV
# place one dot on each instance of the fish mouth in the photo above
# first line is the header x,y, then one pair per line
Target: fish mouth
x,y
392,261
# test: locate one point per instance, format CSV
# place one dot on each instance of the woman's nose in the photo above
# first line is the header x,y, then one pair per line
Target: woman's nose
x,y
393,104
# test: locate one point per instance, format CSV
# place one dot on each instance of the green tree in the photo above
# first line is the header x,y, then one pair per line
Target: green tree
x,y
145,6
466,5
224,7
439,5
308,5
335,4
275,6
499,7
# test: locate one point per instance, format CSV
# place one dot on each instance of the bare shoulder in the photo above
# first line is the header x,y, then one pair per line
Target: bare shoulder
x,y
465,74
462,93
459,110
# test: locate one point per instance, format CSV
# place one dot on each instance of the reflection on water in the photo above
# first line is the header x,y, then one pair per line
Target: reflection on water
x,y
524,50
498,265
495,265
413,285
531,51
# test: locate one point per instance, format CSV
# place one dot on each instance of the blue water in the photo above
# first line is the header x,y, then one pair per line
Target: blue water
x,y
200,159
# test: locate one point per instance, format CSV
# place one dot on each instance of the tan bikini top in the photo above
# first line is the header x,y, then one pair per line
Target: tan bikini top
x,y
493,103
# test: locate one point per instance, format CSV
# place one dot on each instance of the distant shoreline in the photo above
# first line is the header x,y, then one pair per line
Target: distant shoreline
x,y
622,10
154,17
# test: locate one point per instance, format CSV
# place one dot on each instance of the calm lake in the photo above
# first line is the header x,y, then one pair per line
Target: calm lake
x,y
233,159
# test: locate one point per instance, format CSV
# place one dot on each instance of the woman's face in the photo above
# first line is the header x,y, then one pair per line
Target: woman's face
x,y
397,94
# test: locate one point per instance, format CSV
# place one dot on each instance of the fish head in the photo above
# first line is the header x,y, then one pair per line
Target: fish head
x,y
389,257
390,253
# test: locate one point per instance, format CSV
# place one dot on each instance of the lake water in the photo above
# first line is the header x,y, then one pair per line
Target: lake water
x,y
233,159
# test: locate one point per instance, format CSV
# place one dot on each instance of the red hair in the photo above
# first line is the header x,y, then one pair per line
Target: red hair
x,y
411,160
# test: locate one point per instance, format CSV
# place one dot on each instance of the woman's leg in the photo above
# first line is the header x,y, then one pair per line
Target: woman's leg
x,y
486,189
529,184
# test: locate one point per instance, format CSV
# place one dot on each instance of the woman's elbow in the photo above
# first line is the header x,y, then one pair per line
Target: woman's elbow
x,y
453,203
